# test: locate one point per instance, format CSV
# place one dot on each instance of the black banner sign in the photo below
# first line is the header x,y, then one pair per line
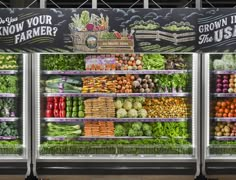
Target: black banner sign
x,y
117,30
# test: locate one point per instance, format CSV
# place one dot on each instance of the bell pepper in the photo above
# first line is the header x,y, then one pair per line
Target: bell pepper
x,y
69,109
56,105
68,103
50,105
74,114
62,113
75,109
49,113
62,105
62,99
56,99
56,113
50,99
68,114
75,103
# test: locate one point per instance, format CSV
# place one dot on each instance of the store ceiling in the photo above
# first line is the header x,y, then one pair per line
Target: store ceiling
x,y
121,3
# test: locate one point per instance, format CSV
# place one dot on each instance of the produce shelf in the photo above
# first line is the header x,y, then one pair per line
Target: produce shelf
x,y
8,137
74,120
74,72
8,119
84,149
8,95
94,138
11,149
90,138
225,119
8,71
224,94
225,138
117,94
224,72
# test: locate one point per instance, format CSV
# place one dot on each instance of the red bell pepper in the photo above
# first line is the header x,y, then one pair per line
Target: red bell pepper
x,y
56,113
56,99
62,105
49,113
56,105
62,113
62,99
50,105
49,99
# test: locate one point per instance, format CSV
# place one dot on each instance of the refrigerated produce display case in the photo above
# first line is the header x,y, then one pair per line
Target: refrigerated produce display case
x,y
14,114
116,111
219,113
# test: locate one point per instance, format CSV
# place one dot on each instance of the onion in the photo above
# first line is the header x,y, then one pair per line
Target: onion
x,y
218,90
219,85
230,90
225,81
226,86
218,80
225,90
225,77
219,76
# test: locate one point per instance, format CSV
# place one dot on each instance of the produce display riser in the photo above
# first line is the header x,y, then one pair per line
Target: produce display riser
x,y
219,113
178,144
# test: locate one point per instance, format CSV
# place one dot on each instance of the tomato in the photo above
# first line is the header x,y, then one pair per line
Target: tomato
x,y
232,106
49,113
223,104
225,115
226,111
216,115
56,99
234,100
231,111
221,110
218,104
62,99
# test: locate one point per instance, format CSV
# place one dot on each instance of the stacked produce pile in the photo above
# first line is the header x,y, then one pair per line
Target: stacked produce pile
x,y
130,107
143,84
124,83
8,84
133,129
65,130
100,62
63,84
11,147
158,129
99,107
63,62
101,84
129,61
7,107
225,129
98,128
8,129
8,62
65,107
227,62
167,107
171,83
225,108
160,62
223,83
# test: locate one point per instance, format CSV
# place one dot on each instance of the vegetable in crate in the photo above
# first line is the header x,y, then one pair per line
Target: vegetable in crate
x,y
124,83
231,85
227,62
8,84
63,84
129,61
7,107
143,85
222,84
8,129
167,107
153,62
174,61
63,62
8,62
225,108
225,129
65,130
100,62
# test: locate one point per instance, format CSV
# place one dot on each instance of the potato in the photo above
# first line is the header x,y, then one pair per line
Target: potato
x,y
217,128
